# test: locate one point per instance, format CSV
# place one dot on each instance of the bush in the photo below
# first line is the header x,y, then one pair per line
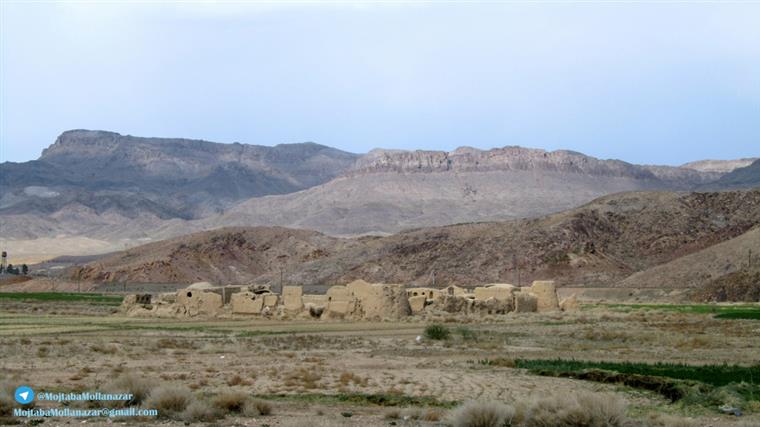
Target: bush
x,y
437,332
170,400
482,414
231,402
199,411
577,410
582,409
466,333
259,407
138,386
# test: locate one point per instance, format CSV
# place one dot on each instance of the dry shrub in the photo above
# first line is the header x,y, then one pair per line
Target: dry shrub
x,y
482,414
348,377
138,386
104,349
231,402
577,410
304,377
170,400
393,414
199,411
258,407
237,380
581,409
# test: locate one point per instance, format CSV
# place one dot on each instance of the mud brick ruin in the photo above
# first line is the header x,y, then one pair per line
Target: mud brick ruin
x,y
357,300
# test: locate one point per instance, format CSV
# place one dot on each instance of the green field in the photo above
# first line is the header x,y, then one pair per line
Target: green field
x,y
90,298
738,311
715,375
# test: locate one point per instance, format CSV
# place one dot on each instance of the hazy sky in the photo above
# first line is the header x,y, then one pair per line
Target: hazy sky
x,y
662,82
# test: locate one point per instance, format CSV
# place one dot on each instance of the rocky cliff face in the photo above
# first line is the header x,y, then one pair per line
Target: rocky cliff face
x,y
468,159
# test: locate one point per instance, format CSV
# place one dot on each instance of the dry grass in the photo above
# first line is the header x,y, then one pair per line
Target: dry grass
x,y
347,378
139,387
237,380
482,414
231,402
581,409
303,377
237,402
170,400
259,407
199,411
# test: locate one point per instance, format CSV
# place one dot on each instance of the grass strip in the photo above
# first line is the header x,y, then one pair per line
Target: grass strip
x,y
751,315
386,399
689,308
715,375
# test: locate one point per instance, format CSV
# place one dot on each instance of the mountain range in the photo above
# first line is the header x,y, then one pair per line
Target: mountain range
x,y
107,191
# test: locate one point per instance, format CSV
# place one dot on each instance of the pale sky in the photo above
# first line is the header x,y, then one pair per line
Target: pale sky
x,y
646,82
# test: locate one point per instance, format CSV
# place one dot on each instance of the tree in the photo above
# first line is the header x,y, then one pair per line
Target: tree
x,y
9,269
24,269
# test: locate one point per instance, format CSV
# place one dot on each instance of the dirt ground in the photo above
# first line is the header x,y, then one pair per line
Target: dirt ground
x,y
298,365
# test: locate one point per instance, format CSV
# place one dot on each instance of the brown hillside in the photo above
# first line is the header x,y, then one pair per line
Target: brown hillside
x,y
700,268
737,286
600,243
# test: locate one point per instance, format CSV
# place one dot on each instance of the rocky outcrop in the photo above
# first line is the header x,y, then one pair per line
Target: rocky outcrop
x,y
468,159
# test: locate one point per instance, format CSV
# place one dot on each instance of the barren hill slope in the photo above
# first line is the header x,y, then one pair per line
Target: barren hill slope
x,y
228,255
745,177
700,268
600,243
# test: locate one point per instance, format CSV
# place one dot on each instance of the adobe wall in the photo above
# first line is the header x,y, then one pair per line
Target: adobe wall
x,y
546,293
429,293
525,302
194,302
498,291
292,298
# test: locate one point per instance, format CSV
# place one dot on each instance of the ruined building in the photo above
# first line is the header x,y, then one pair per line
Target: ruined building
x,y
357,300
